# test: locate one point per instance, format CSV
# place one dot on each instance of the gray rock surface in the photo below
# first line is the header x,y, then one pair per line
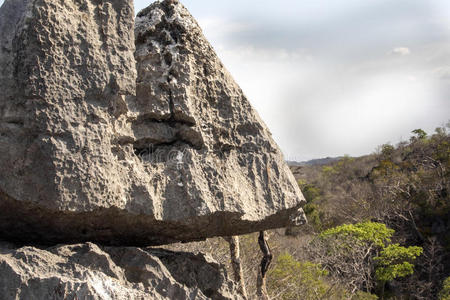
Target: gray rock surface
x,y
86,271
126,137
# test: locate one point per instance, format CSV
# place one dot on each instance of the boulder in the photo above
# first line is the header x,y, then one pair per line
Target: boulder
x,y
128,133
87,271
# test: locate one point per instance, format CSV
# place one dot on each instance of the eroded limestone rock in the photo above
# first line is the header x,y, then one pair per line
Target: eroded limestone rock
x,y
86,271
126,137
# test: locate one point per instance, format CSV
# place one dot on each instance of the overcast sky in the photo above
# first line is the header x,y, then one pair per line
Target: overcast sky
x,y
334,77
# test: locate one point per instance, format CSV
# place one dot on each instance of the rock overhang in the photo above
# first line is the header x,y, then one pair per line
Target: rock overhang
x,y
129,137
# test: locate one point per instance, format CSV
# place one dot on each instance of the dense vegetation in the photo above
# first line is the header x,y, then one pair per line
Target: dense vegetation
x,y
379,228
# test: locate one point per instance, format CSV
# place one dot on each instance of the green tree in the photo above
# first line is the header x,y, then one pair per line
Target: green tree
x,y
297,280
369,233
313,214
445,292
396,261
387,150
361,253
291,279
419,134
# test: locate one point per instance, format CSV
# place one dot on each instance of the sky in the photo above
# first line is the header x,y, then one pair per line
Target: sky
x,y
335,77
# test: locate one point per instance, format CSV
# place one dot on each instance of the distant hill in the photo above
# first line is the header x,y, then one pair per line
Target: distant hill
x,y
314,162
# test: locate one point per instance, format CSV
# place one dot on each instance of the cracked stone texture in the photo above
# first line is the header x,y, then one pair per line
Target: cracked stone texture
x,y
87,271
128,133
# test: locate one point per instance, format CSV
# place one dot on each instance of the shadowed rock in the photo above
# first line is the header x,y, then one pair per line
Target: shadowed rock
x,y
128,134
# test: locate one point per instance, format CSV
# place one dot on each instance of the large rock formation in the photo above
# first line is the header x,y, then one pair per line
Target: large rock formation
x,y
105,141
86,271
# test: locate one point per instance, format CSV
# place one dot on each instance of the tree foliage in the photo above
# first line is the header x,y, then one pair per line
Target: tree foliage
x,y
395,261
311,209
295,280
370,233
445,292
406,187
291,279
419,134
362,253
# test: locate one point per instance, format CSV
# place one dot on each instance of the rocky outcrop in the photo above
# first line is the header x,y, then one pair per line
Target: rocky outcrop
x,y
86,271
125,133
126,137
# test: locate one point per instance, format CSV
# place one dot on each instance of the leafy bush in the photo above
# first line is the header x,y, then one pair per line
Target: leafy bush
x,y
311,209
395,261
368,232
297,280
291,279
445,293
358,254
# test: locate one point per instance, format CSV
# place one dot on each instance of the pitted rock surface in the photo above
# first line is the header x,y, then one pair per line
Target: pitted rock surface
x,y
128,133
87,271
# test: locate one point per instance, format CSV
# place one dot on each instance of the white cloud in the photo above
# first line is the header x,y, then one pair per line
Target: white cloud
x,y
402,51
443,73
215,27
